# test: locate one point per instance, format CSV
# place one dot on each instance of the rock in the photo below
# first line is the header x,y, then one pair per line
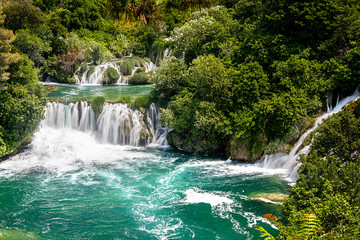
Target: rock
x,y
238,151
110,76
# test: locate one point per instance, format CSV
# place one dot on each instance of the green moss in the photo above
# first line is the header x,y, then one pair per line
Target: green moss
x,y
110,76
90,71
97,104
139,78
136,61
83,68
126,67
147,60
125,99
139,70
141,101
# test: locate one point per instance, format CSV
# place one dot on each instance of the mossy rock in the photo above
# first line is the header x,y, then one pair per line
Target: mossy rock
x,y
90,71
110,76
97,104
126,67
125,99
139,70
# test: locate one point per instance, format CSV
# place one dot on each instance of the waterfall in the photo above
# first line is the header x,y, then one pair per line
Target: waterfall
x,y
117,124
289,161
159,133
97,76
150,67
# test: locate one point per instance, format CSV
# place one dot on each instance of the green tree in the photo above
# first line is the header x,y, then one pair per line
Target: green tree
x,y
32,46
22,14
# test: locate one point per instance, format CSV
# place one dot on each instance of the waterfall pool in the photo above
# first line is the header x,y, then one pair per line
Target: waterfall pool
x,y
71,184
72,93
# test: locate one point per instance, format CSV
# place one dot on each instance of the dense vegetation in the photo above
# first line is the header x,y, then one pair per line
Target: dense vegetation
x,y
254,72
22,99
327,186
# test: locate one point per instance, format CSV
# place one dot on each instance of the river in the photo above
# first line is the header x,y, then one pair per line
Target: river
x,y
70,184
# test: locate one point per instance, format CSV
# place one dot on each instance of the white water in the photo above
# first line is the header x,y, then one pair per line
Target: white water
x,y
289,161
117,124
157,131
97,77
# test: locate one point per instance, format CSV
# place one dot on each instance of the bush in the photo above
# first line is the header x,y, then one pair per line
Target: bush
x,y
126,67
90,72
141,101
139,78
136,61
147,60
125,99
97,104
110,76
83,68
139,70
142,62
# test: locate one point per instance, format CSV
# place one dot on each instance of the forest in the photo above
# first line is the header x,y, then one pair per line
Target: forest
x,y
243,79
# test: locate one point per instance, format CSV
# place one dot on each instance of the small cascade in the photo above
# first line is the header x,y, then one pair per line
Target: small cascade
x,y
159,133
117,124
97,76
166,53
150,67
289,161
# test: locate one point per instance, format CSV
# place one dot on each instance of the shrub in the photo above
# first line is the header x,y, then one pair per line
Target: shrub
x,y
136,61
139,70
90,71
125,99
139,78
141,101
97,104
147,60
83,68
111,76
126,67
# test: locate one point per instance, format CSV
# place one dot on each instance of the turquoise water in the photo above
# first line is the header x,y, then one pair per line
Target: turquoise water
x,y
68,186
72,93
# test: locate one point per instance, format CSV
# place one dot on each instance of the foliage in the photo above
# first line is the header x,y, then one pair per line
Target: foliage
x,y
328,182
125,99
110,76
90,71
97,104
309,228
21,14
22,104
140,70
203,34
139,78
126,67
33,46
142,101
170,79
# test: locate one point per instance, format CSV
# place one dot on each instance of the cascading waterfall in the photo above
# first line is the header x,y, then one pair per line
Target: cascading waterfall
x,y
98,75
289,161
157,131
117,124
96,78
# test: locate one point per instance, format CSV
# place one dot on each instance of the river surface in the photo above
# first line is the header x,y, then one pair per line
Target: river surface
x,y
68,185
71,93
